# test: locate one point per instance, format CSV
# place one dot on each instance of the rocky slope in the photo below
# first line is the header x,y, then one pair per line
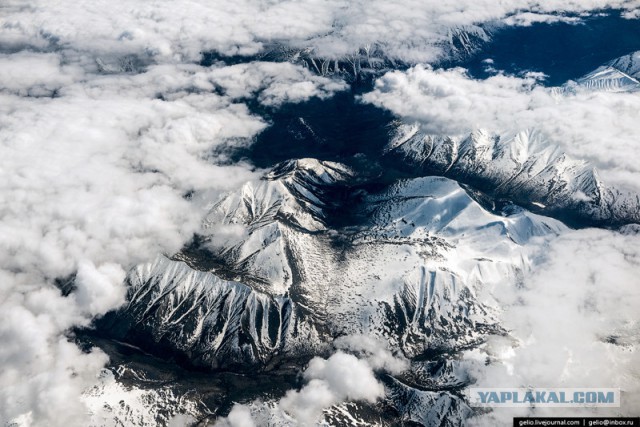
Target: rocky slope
x,y
411,266
315,251
619,75
521,167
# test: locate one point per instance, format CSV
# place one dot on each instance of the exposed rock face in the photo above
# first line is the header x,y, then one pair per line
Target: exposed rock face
x,y
288,284
277,274
522,168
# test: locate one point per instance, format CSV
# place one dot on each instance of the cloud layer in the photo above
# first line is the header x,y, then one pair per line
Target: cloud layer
x,y
572,320
109,133
95,176
409,30
600,127
575,322
341,378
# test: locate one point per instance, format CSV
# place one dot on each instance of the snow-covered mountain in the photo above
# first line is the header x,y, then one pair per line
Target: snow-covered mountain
x,y
289,284
523,167
408,269
111,402
372,60
619,75
316,251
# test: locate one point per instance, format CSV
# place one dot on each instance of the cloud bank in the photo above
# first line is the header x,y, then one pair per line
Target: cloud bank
x,y
575,322
337,379
341,378
165,31
597,126
572,320
95,176
109,132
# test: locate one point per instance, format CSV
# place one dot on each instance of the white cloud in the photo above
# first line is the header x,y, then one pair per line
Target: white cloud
x,y
375,352
103,129
526,19
631,14
32,74
240,416
575,322
180,32
100,289
43,374
599,127
341,378
94,173
274,83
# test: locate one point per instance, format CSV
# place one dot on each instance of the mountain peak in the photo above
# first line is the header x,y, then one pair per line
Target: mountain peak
x,y
316,170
